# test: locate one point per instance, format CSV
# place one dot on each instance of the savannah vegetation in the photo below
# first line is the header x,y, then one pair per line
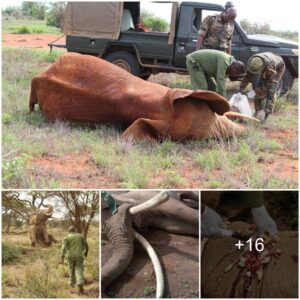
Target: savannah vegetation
x,y
40,154
35,272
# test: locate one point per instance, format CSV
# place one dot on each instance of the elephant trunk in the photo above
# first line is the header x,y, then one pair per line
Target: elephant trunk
x,y
119,231
49,211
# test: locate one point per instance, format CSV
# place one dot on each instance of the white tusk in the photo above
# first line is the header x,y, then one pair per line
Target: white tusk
x,y
156,265
153,202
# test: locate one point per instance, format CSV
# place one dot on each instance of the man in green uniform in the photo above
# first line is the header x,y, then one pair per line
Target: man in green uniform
x,y
208,69
74,247
269,68
216,31
213,225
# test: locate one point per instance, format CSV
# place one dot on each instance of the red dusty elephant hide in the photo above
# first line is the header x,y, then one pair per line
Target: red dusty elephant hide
x,y
83,88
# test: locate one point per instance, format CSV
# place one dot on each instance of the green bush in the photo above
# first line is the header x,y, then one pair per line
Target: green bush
x,y
153,22
22,30
10,253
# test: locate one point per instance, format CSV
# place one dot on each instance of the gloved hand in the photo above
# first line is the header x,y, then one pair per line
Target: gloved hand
x,y
211,223
263,221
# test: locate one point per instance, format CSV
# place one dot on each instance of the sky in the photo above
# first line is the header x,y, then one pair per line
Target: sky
x,y
280,15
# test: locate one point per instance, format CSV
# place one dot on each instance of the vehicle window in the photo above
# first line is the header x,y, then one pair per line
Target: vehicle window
x,y
197,19
206,13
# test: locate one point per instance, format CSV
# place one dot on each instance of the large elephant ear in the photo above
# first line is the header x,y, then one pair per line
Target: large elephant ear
x,y
216,102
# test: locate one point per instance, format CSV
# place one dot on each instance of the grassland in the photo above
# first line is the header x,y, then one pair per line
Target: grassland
x,y
36,272
25,25
39,154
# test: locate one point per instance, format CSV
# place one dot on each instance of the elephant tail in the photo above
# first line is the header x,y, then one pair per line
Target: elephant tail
x,y
33,93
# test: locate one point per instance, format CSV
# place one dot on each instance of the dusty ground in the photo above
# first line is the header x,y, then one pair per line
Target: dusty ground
x,y
30,40
180,262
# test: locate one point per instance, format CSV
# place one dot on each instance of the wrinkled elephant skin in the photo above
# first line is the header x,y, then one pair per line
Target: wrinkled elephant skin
x,y
172,216
83,88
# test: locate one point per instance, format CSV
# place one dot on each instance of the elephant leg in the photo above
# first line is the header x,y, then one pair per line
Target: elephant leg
x,y
147,129
46,236
173,225
32,235
118,229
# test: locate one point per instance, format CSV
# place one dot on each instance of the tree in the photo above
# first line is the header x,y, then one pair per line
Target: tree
x,y
56,13
36,10
82,207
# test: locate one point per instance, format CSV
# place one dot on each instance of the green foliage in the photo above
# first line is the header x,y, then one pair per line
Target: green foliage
x,y
10,253
23,30
153,22
36,10
149,290
12,171
55,14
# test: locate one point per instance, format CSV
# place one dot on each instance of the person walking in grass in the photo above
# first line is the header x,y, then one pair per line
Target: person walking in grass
x,y
75,248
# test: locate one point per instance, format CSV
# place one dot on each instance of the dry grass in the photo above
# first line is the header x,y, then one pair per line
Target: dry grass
x,y
38,274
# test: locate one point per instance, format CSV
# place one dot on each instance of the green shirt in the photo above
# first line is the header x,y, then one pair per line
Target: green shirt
x,y
214,64
74,245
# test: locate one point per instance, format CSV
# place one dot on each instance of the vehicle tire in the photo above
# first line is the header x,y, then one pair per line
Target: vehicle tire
x,y
124,60
285,84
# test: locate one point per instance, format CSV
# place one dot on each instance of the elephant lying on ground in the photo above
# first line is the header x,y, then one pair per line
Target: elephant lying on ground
x,y
37,227
83,88
171,216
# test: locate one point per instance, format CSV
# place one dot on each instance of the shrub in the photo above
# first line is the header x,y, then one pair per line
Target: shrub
x,y
10,253
153,22
23,30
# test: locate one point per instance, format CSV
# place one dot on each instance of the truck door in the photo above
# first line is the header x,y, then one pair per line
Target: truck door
x,y
186,36
191,20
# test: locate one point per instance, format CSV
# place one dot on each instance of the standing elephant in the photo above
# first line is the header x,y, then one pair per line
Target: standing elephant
x,y
37,227
172,216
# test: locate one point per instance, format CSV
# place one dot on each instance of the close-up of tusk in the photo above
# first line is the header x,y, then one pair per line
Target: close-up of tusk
x,y
232,114
156,264
157,200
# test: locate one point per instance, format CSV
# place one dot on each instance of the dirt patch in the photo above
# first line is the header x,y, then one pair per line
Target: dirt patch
x,y
30,40
180,262
72,171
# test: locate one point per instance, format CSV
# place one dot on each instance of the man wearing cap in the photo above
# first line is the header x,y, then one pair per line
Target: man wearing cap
x,y
74,247
269,68
217,30
208,69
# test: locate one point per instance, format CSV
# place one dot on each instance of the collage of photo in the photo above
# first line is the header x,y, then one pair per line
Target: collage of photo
x,y
149,150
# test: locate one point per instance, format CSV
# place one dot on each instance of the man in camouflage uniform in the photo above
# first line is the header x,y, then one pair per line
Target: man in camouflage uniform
x,y
269,68
216,31
74,247
212,223
208,69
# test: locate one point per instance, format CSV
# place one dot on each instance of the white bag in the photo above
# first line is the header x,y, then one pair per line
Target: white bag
x,y
241,103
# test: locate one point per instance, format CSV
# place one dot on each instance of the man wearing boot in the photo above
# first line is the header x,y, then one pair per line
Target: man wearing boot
x,y
269,68
74,247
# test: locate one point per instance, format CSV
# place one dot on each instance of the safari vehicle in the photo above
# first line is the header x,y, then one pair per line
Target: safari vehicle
x,y
112,30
